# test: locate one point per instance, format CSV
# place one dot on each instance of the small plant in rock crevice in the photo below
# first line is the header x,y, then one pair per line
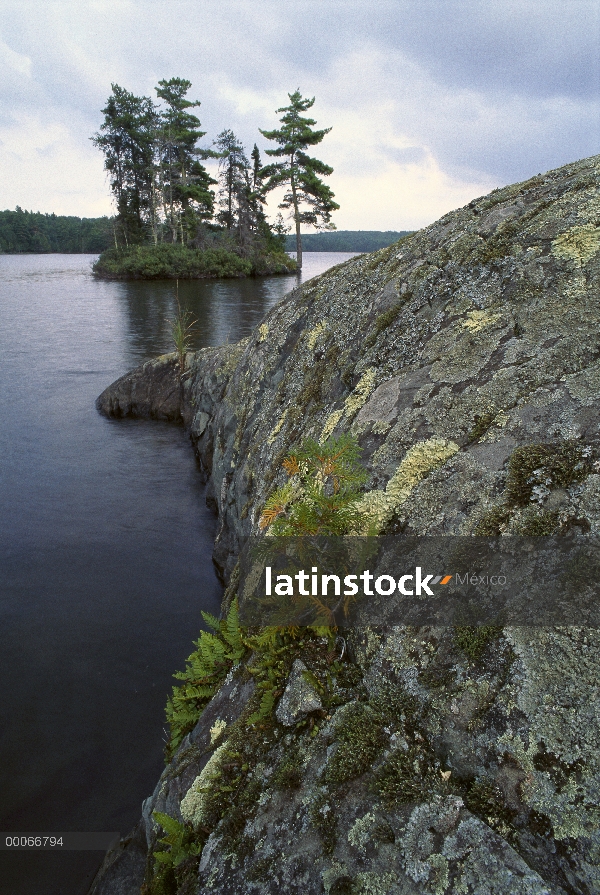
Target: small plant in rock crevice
x,y
182,329
322,492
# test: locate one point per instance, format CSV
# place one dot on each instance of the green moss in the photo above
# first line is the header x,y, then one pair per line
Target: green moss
x,y
360,740
323,819
289,771
437,677
468,249
486,800
384,321
500,244
472,639
490,524
380,257
344,885
482,424
535,522
361,735
406,776
260,870
547,465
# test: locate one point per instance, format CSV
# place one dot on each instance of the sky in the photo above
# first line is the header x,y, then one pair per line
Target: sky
x,y
432,103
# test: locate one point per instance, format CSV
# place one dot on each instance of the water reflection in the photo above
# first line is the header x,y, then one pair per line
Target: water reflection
x,y
226,310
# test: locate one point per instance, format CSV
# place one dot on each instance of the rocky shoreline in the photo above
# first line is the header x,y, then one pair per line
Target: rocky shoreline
x,y
453,356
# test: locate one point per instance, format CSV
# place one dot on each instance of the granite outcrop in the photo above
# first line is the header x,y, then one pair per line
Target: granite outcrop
x,y
466,360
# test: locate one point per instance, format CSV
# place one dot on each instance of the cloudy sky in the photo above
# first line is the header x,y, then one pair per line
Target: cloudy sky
x,y
431,102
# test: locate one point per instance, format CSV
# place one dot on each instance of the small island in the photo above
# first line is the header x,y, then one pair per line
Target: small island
x,y
169,223
166,261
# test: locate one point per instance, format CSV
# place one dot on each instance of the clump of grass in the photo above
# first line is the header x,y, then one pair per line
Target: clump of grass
x,y
182,329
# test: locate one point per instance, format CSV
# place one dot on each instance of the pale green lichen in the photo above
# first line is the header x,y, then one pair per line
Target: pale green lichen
x,y
263,332
277,428
559,698
379,506
380,427
477,320
361,831
439,878
330,424
575,287
373,883
358,397
216,730
193,804
578,244
312,337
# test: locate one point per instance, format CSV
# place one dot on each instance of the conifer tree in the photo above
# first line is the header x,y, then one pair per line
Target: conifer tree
x,y
185,182
127,139
299,171
233,175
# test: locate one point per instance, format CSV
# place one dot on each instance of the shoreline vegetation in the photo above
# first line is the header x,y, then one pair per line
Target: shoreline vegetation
x,y
176,261
38,233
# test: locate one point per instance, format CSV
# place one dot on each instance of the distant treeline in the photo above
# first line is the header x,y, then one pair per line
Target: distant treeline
x,y
29,231
346,240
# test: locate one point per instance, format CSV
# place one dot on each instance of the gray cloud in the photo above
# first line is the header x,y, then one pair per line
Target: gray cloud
x,y
492,92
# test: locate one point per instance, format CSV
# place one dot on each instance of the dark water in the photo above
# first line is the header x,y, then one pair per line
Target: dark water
x,y
105,549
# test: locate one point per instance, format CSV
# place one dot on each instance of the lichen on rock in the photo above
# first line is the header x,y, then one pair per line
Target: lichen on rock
x,y
415,760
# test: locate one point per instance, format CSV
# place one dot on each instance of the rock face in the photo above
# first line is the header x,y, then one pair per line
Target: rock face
x,y
299,697
466,359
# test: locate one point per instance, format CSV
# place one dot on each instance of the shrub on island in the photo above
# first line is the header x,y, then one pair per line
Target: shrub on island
x,y
168,261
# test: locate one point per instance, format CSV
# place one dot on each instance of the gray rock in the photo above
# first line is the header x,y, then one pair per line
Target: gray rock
x,y
480,334
124,868
299,697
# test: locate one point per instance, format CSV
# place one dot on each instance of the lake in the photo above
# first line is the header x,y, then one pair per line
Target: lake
x,y
105,548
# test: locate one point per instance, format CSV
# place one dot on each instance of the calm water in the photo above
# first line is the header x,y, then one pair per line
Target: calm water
x,y
105,548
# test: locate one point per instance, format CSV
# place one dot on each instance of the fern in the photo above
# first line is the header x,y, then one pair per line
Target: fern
x,y
206,668
179,840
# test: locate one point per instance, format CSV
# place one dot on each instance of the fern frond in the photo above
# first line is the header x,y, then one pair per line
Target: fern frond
x,y
212,621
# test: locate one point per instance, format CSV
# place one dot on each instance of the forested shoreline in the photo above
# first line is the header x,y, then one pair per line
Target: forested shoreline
x,y
43,233
37,233
346,240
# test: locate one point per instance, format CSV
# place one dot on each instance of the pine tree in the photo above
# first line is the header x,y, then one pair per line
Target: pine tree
x,y
299,171
127,138
185,182
234,178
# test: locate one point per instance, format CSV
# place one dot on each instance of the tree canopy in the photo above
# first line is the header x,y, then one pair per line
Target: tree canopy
x,y
164,193
299,171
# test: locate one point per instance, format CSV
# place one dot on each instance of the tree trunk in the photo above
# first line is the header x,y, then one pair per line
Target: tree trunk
x,y
298,246
296,215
